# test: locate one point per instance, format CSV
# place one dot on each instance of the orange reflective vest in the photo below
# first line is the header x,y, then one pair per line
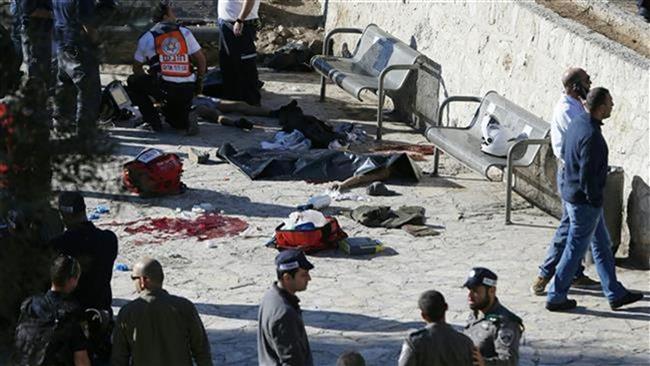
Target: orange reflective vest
x,y
172,53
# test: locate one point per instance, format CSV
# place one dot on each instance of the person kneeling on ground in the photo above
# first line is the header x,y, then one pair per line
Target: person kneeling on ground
x,y
176,68
438,343
49,330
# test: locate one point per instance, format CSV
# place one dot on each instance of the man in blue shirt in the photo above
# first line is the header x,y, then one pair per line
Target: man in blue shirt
x,y
585,154
78,89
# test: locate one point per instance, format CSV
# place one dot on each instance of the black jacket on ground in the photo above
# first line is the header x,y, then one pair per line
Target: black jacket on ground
x,y
96,250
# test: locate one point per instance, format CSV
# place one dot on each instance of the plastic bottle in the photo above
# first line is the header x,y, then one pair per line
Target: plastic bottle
x,y
319,201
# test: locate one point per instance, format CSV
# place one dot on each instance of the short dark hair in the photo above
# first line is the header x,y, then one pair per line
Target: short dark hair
x,y
64,268
350,358
161,9
432,304
596,97
291,272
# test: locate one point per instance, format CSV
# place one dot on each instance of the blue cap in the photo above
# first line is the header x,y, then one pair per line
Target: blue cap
x,y
480,276
290,259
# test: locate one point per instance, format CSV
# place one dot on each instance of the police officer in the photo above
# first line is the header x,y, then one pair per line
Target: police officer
x,y
494,329
77,95
171,52
49,330
96,250
281,336
437,344
238,22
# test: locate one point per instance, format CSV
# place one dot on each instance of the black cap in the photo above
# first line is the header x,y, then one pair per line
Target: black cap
x,y
290,259
480,276
71,203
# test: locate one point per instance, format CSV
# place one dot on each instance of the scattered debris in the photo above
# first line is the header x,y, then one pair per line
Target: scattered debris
x,y
198,157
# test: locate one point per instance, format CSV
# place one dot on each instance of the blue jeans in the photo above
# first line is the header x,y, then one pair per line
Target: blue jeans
x,y
556,247
587,226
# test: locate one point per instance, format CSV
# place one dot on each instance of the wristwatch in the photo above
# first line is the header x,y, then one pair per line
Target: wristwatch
x,y
238,20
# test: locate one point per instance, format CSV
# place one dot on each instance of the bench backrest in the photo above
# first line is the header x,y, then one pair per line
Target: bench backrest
x,y
515,119
377,49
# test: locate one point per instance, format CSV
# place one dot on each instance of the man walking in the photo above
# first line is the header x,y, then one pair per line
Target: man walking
x,y
176,68
438,344
238,21
569,108
495,330
585,155
77,95
96,250
281,336
158,328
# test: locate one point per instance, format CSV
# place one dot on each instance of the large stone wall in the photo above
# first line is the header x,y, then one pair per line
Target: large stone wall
x,y
521,49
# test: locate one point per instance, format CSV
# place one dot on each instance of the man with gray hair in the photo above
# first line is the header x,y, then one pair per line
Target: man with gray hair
x,y
158,328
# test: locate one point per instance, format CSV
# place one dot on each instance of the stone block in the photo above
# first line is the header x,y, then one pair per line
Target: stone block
x,y
638,222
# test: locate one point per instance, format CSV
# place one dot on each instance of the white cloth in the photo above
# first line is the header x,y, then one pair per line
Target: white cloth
x,y
229,10
147,50
567,109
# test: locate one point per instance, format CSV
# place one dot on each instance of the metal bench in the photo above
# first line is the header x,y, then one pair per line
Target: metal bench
x,y
381,63
464,143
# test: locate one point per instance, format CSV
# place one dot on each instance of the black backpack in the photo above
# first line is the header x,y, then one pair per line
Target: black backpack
x,y
43,339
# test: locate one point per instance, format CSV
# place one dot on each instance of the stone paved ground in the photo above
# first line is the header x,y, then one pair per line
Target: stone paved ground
x,y
362,303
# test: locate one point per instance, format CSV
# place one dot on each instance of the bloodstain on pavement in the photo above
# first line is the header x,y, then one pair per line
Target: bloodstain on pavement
x,y
204,227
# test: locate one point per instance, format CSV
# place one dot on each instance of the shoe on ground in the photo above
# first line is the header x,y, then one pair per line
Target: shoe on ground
x,y
539,286
561,306
244,124
628,298
155,127
192,123
585,282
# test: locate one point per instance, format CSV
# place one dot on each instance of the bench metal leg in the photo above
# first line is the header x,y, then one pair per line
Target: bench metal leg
x,y
382,94
436,160
380,107
509,192
323,82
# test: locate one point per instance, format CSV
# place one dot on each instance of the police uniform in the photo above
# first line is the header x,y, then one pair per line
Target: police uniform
x,y
167,49
438,344
238,54
281,335
496,333
77,94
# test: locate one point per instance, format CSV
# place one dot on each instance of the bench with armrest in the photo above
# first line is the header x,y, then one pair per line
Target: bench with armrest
x,y
464,143
380,63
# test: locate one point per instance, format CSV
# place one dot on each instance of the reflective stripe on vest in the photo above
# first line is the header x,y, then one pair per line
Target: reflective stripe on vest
x,y
173,56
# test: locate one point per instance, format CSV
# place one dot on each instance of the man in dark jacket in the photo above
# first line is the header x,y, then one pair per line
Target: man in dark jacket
x,y
158,328
96,250
438,344
281,336
49,330
585,156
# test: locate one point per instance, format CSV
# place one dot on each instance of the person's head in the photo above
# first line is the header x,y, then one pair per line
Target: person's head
x,y
147,274
600,103
163,12
72,208
292,268
350,358
64,274
482,287
432,306
576,82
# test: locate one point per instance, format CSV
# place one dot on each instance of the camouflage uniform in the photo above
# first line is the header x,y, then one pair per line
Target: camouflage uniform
x,y
496,334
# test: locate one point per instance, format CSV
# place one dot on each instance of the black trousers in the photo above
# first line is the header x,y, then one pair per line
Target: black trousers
x,y
237,59
175,98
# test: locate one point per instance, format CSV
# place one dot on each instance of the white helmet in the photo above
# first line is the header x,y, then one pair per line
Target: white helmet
x,y
495,137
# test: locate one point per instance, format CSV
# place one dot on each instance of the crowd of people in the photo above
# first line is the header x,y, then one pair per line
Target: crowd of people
x,y
73,322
